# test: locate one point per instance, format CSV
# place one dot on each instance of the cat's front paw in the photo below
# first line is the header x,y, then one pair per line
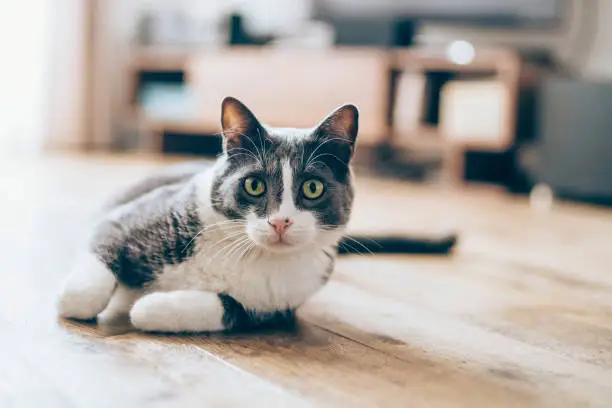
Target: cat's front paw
x,y
178,311
151,313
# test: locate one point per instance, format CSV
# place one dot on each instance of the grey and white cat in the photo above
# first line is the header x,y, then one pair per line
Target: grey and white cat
x,y
237,245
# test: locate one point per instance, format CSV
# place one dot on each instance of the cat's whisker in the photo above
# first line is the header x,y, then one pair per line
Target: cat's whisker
x,y
231,248
261,141
192,240
247,153
236,237
229,245
203,230
235,253
378,244
359,243
327,154
314,163
206,228
351,248
234,234
242,250
259,153
323,144
247,251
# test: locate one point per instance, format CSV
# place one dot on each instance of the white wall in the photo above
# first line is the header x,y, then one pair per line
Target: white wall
x,y
24,29
67,76
599,63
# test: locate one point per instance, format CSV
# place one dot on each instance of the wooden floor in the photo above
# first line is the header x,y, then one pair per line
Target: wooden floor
x,y
520,316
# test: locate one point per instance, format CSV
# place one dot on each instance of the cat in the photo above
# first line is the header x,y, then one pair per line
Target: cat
x,y
237,245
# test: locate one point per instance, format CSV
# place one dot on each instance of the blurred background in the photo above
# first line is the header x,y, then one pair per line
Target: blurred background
x,y
511,93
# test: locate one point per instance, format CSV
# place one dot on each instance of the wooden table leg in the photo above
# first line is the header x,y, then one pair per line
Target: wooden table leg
x,y
453,165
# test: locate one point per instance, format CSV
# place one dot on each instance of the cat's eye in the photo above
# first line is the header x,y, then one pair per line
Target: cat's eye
x,y
254,186
313,189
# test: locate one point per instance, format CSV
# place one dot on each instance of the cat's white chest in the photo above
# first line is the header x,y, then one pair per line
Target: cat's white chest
x,y
277,283
262,281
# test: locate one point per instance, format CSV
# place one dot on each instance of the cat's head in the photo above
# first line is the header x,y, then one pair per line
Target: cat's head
x,y
287,189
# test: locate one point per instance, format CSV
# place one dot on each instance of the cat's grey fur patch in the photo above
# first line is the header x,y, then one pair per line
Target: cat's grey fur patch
x,y
148,232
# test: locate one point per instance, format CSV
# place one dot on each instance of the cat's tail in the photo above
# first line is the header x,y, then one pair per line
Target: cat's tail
x,y
389,244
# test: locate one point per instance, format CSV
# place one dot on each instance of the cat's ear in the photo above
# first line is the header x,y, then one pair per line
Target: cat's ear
x,y
238,123
340,128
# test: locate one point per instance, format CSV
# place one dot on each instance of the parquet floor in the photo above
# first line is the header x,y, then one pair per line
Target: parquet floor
x,y
520,316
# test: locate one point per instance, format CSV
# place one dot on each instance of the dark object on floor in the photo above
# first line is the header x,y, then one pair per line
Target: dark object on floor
x,y
372,244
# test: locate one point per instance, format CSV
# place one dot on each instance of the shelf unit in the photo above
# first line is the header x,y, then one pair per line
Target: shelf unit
x,y
317,81
499,66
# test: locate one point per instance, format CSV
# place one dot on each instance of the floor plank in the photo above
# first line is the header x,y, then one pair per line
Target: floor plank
x,y
468,350
348,372
76,368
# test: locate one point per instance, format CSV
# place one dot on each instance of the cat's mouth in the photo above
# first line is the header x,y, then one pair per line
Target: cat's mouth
x,y
282,244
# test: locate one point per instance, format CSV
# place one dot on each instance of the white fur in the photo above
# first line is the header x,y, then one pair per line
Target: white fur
x,y
87,289
287,207
178,311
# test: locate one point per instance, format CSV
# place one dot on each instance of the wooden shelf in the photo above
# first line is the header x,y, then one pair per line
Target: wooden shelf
x,y
425,137
435,59
499,66
161,58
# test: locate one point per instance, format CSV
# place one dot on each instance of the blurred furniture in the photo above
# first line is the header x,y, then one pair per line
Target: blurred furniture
x,y
284,87
463,105
574,150
476,113
415,99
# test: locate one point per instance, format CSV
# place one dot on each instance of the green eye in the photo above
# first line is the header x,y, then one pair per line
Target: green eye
x,y
313,189
254,186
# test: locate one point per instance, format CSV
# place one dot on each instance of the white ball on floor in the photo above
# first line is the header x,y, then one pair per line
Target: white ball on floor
x,y
541,198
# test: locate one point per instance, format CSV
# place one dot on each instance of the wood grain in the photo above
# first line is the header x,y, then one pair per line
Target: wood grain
x,y
519,316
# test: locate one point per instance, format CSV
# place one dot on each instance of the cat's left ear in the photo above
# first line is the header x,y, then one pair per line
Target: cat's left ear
x,y
340,128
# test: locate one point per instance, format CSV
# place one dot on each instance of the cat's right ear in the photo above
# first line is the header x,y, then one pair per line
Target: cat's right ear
x,y
238,123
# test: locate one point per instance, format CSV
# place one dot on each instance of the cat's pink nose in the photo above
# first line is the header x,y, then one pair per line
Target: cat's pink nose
x,y
281,225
